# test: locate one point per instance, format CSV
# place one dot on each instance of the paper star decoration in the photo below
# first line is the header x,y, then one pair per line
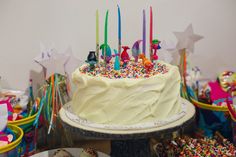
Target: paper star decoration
x,y
51,61
45,54
187,39
72,63
55,64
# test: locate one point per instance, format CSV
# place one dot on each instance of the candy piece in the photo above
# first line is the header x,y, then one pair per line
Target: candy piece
x,y
88,152
62,153
187,146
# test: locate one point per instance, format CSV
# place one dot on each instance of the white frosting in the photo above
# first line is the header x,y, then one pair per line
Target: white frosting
x,y
138,126
127,101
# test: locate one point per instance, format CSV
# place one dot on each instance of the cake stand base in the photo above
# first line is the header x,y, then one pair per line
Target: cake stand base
x,y
129,143
130,148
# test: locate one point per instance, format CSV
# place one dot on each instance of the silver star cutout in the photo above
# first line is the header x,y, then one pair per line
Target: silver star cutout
x,y
53,64
72,63
187,39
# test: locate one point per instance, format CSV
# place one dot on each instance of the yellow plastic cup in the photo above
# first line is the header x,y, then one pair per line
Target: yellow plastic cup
x,y
209,106
23,122
19,133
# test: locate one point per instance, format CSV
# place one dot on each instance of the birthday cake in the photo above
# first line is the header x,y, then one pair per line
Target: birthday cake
x,y
129,96
117,90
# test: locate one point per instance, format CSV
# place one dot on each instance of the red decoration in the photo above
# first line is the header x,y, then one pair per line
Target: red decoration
x,y
124,55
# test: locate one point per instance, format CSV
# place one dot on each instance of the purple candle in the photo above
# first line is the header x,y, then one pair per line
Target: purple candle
x,y
144,33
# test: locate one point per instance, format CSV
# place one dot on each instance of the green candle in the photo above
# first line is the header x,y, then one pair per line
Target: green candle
x,y
105,37
106,23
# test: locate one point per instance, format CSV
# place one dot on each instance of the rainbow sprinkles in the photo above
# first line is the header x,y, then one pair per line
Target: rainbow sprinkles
x,y
134,70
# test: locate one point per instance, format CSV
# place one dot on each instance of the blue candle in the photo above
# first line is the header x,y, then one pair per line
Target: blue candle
x,y
119,30
144,33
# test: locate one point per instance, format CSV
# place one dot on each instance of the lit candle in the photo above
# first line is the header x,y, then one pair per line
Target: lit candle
x,y
151,33
119,30
97,35
144,33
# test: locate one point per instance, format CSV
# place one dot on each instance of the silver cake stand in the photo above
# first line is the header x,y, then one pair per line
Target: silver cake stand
x,y
130,143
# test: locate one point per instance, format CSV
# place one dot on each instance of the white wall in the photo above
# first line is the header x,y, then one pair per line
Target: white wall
x,y
24,23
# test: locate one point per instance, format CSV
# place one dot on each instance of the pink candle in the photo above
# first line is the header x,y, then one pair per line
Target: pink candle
x,y
151,33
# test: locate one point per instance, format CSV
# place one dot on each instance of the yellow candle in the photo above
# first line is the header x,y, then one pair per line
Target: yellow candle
x,y
97,35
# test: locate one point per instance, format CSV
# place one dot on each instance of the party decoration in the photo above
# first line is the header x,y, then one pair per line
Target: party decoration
x,y
30,98
144,33
136,50
91,60
6,136
6,100
187,39
227,80
147,63
3,116
154,59
45,54
106,53
54,64
217,95
192,78
232,109
55,91
117,60
19,105
54,96
119,30
125,56
155,47
185,45
71,64
46,51
167,54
